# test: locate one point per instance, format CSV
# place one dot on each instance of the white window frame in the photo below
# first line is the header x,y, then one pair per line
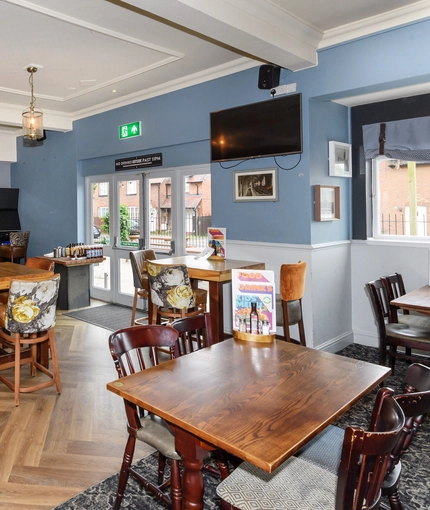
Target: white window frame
x,y
374,212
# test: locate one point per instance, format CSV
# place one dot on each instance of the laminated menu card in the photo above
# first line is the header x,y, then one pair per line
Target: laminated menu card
x,y
217,241
254,285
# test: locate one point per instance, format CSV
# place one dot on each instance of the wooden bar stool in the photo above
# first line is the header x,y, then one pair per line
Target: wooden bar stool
x,y
28,319
289,301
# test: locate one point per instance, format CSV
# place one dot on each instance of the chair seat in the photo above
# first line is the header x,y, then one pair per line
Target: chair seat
x,y
397,330
200,296
325,449
156,433
295,484
414,320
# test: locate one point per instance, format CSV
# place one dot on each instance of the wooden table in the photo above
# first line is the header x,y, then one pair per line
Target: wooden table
x,y
260,402
216,272
10,271
418,300
75,281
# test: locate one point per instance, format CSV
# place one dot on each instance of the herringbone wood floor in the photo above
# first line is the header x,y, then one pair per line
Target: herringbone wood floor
x,y
55,446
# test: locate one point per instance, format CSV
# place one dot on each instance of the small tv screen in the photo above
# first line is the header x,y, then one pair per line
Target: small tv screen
x,y
267,128
9,217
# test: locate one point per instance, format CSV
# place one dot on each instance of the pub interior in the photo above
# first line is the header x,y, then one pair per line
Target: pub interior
x,y
356,77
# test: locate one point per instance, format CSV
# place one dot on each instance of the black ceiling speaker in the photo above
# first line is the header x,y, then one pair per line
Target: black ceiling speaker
x,y
268,77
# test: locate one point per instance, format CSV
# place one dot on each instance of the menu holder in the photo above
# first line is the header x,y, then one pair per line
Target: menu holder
x,y
250,337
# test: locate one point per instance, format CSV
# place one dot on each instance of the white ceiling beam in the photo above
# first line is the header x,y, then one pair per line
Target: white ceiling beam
x,y
254,27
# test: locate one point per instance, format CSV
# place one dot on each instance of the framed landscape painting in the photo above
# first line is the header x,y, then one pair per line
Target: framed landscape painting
x,y
256,185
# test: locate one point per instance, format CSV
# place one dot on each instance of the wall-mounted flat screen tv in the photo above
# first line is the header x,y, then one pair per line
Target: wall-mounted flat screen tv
x,y
267,128
9,217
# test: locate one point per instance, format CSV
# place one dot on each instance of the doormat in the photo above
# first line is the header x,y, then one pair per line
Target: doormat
x,y
112,317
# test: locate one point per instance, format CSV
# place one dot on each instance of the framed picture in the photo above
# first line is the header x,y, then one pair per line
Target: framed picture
x,y
339,159
256,185
327,203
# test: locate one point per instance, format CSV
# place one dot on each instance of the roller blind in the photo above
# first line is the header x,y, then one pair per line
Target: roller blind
x,y
407,139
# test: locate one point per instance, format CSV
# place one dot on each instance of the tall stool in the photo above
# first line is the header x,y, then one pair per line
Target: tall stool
x,y
289,301
140,280
28,318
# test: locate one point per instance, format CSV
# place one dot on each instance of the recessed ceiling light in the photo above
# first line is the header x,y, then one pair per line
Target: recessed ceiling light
x,y
114,90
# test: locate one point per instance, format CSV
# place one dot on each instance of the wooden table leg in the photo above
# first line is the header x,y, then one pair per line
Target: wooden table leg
x,y
192,459
216,307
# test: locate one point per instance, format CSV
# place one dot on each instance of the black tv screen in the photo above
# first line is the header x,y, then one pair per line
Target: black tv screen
x,y
9,218
267,128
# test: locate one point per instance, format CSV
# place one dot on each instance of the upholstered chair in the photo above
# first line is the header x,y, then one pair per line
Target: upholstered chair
x,y
26,321
171,293
289,301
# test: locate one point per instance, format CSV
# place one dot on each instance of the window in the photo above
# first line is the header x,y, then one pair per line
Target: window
x,y
131,187
400,198
102,211
103,189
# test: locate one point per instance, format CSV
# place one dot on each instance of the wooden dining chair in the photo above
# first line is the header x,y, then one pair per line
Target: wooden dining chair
x,y
134,349
28,319
194,332
289,301
325,449
393,334
140,280
298,483
171,293
395,288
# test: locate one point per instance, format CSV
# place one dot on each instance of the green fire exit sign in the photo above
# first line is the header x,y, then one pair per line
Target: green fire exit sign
x,y
130,130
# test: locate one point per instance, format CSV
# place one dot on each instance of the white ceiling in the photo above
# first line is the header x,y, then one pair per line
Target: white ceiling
x,y
94,55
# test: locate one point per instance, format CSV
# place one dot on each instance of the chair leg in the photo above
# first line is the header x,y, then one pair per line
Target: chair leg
x,y
395,503
161,468
54,360
286,322
17,368
133,310
125,470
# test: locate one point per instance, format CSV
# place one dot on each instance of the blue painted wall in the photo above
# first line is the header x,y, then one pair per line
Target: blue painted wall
x,y
177,124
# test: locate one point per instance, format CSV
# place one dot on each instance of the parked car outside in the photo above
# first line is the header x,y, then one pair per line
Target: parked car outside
x,y
134,228
96,232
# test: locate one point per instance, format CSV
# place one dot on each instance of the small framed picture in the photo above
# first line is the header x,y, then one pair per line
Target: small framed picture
x,y
327,203
339,158
256,185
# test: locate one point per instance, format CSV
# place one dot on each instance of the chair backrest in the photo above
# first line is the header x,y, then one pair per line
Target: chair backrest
x,y
365,455
31,305
195,332
394,288
138,259
292,281
380,305
415,404
135,348
19,238
170,285
46,264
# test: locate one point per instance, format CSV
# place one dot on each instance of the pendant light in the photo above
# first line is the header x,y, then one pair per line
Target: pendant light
x,y
32,117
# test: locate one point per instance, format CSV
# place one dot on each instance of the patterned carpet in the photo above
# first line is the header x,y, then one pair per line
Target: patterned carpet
x,y
414,486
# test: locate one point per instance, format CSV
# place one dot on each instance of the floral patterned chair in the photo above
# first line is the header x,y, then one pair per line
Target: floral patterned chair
x,y
28,319
171,292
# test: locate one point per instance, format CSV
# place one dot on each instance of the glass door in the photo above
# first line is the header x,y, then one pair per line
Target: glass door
x,y
115,215
165,210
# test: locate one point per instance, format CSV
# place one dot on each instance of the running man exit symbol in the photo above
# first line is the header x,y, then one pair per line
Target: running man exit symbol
x,y
130,130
